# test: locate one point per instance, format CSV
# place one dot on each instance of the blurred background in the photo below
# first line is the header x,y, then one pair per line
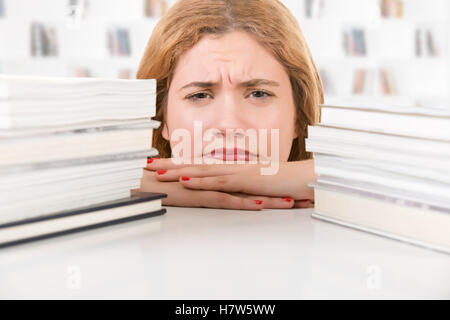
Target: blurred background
x,y
369,51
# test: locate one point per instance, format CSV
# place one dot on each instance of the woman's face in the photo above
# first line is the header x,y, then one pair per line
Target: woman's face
x,y
231,82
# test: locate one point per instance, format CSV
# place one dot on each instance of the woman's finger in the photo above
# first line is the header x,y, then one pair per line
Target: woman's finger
x,y
303,204
248,184
155,164
199,171
221,200
286,183
273,203
212,199
179,196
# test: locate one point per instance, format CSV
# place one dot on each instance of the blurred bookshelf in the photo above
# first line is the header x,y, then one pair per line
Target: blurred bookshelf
x,y
380,51
392,51
94,38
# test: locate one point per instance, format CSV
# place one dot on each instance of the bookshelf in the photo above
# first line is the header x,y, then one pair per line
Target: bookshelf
x,y
394,51
99,38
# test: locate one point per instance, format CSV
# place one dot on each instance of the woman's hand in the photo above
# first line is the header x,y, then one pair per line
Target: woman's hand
x,y
291,181
180,196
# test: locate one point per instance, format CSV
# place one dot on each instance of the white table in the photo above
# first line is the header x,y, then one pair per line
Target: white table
x,y
220,254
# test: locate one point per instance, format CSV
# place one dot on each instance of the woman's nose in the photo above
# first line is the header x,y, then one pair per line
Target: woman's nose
x,y
229,115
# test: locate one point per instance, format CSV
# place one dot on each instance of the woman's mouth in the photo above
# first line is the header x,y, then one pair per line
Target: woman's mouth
x,y
231,154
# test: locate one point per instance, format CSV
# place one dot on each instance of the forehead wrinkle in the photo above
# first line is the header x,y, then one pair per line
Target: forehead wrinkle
x,y
220,65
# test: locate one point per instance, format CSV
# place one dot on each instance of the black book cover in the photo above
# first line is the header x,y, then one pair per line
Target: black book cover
x,y
134,199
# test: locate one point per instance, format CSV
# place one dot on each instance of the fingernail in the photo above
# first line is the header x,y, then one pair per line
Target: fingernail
x,y
258,201
151,160
161,171
185,178
287,199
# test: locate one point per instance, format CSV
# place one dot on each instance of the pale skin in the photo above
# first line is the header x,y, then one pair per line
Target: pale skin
x,y
231,82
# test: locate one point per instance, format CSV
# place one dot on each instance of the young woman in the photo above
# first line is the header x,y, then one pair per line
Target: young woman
x,y
232,64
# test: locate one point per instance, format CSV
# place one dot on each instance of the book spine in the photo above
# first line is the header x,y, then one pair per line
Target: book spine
x,y
126,39
354,42
45,41
383,83
418,43
2,8
400,9
116,44
345,42
53,45
362,34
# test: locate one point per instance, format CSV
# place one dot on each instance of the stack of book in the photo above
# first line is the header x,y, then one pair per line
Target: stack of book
x,y
70,145
385,171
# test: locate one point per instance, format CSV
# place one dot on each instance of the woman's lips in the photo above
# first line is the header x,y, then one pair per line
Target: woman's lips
x,y
231,154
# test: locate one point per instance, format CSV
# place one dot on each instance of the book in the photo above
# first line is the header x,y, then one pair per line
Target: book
x,y
408,221
384,170
69,143
2,8
369,147
74,127
81,143
119,42
20,87
30,102
132,208
392,8
33,189
77,11
43,40
425,43
155,8
429,123
354,42
314,8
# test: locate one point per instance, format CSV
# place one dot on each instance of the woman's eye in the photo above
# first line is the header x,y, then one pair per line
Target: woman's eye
x,y
198,96
260,94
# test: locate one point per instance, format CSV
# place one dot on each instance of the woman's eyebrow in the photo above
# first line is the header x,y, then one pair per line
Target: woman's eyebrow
x,y
245,84
258,82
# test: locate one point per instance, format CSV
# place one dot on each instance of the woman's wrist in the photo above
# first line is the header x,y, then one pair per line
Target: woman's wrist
x,y
306,175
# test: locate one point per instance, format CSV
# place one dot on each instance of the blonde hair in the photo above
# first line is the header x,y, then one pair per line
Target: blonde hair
x,y
269,21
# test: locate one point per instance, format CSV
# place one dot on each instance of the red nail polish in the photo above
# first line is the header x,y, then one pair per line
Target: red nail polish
x,y
185,178
258,201
287,199
150,160
161,171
